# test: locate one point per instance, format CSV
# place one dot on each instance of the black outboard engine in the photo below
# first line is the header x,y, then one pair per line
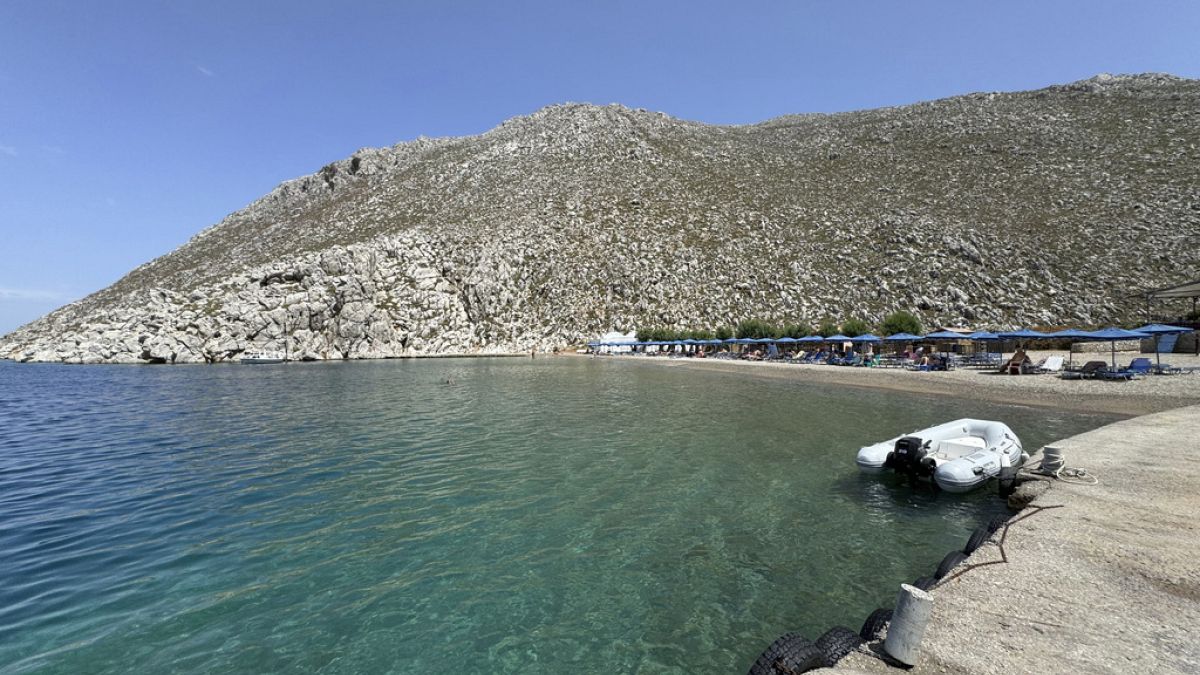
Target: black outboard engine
x,y
908,457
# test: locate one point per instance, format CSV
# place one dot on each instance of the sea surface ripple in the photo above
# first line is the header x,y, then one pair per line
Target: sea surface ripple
x,y
468,516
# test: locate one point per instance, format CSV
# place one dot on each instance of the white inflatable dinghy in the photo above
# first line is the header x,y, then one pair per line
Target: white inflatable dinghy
x,y
958,456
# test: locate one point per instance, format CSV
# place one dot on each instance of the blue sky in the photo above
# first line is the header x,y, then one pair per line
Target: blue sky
x,y
127,127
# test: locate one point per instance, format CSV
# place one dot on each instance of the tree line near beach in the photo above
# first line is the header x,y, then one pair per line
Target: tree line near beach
x,y
896,322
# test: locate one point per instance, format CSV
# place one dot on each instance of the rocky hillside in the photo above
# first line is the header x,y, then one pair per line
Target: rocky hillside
x,y
1045,207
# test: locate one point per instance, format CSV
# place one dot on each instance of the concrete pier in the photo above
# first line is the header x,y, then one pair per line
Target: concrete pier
x,y
1108,583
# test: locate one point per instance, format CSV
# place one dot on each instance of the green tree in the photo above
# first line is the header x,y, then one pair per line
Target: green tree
x,y
796,330
644,334
900,322
724,333
755,328
855,327
828,327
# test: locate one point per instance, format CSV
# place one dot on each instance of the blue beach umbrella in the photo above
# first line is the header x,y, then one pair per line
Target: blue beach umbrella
x,y
902,337
1112,334
811,338
1022,334
983,336
945,335
866,339
1157,329
1161,329
786,340
838,338
1070,334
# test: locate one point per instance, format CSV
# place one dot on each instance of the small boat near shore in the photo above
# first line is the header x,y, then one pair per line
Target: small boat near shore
x,y
261,358
957,456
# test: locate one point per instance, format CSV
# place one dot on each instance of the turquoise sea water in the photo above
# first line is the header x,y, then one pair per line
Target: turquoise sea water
x,y
466,516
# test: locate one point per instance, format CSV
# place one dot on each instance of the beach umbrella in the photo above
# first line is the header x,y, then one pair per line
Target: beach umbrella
x,y
945,335
866,339
1157,329
1070,334
1022,334
811,338
902,337
838,338
982,336
1112,335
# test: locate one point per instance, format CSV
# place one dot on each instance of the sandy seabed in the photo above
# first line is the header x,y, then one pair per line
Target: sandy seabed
x,y
1152,393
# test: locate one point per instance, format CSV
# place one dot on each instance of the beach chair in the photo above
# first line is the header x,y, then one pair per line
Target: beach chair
x,y
1051,364
1141,366
1087,371
1019,364
1118,375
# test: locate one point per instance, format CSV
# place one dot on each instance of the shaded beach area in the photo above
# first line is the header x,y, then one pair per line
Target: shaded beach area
x,y
1154,393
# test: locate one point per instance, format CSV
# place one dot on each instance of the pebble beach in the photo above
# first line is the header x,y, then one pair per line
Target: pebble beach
x,y
1140,396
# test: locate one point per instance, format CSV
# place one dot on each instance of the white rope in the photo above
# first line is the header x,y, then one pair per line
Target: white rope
x,y
1058,470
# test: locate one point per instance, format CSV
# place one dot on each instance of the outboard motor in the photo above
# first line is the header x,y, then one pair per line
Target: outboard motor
x,y
908,457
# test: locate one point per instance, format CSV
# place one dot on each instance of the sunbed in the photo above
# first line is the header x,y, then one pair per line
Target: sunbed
x,y
1087,371
1051,364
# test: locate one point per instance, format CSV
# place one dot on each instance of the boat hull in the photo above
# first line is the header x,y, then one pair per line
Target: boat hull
x,y
958,456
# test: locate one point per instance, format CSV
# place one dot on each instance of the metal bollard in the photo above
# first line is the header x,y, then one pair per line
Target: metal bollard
x,y
1052,460
904,634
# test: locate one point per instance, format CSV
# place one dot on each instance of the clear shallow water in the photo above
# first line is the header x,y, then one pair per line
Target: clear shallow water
x,y
556,515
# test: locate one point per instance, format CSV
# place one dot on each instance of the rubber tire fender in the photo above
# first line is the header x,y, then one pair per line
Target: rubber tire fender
x,y
996,523
794,652
952,560
836,643
978,538
873,627
925,583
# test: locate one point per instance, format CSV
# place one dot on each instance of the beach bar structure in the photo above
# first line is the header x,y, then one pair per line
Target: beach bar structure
x,y
1184,291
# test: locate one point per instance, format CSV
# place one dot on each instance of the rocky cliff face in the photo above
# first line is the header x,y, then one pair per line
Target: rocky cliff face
x,y
1044,207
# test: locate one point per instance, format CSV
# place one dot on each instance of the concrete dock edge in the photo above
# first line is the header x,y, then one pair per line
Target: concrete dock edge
x,y
1107,583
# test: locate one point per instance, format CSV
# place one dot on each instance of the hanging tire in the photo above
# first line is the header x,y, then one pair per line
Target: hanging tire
x,y
978,538
925,583
836,643
952,560
875,624
996,523
791,653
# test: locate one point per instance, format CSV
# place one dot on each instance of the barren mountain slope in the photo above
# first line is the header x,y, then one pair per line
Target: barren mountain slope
x,y
1045,207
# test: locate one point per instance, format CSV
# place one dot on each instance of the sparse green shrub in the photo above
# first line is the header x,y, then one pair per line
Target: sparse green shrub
x,y
855,327
796,330
724,333
755,328
828,327
900,322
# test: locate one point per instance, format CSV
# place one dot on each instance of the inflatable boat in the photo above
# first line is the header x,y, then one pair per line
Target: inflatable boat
x,y
957,456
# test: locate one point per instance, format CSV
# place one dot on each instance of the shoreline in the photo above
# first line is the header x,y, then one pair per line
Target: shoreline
x,y
1153,394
